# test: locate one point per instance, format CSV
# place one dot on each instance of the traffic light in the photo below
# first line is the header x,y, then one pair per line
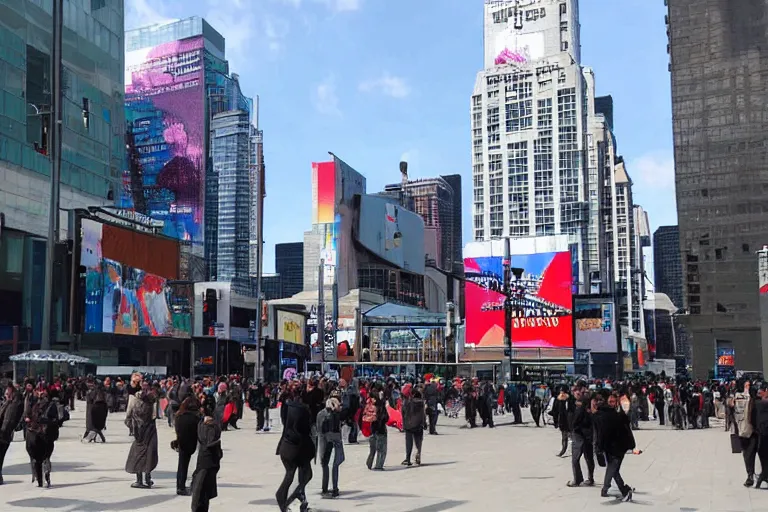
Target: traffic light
x,y
210,312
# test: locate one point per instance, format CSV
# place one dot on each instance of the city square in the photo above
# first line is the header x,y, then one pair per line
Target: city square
x,y
510,467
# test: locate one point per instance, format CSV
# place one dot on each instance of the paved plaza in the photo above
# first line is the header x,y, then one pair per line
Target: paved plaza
x,y
507,468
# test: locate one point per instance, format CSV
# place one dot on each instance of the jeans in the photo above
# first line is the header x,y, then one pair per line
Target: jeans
x,y
749,452
582,446
613,466
378,448
410,437
182,470
337,448
305,475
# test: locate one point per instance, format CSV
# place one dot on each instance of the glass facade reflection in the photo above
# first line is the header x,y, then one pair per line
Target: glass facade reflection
x,y
93,122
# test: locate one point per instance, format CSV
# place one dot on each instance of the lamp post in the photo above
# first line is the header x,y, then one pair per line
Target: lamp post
x,y
509,292
53,205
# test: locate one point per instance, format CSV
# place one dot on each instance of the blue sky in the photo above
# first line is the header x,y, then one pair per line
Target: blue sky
x,y
377,81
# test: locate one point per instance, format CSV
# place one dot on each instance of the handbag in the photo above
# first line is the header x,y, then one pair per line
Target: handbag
x,y
735,439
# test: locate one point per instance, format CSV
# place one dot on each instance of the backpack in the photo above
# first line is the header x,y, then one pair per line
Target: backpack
x,y
369,413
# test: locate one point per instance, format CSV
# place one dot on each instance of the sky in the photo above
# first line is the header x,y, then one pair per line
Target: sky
x,y
380,81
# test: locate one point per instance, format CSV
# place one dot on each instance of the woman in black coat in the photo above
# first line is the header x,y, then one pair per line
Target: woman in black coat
x,y
186,422
204,487
296,450
96,411
42,420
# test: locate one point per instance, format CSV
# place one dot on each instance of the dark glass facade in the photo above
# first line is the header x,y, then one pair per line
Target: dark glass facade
x,y
289,263
667,268
718,63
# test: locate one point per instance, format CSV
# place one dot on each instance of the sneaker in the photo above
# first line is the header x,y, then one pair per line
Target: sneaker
x,y
589,482
627,495
183,492
418,460
325,493
573,484
406,463
335,493
604,494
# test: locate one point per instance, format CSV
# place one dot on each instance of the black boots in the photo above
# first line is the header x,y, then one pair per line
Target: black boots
x,y
750,481
143,481
762,478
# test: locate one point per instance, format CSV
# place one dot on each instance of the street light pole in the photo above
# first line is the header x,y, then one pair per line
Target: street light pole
x,y
53,206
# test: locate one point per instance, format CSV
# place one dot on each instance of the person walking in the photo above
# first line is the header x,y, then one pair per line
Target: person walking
x,y
378,439
296,449
186,421
11,412
761,426
582,439
414,420
743,425
560,414
431,397
613,437
143,455
42,431
204,487
96,412
329,443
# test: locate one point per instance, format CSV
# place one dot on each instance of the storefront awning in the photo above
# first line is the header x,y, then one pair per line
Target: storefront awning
x,y
398,314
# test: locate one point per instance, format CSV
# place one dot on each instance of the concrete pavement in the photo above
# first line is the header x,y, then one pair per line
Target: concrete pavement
x,y
508,468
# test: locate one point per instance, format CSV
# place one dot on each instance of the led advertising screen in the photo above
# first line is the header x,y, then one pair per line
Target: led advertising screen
x,y
165,116
290,327
541,302
595,325
127,288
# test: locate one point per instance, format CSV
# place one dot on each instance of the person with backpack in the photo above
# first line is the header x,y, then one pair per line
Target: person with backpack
x,y
376,416
329,443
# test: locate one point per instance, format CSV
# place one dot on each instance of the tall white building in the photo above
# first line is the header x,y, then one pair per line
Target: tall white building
x,y
529,124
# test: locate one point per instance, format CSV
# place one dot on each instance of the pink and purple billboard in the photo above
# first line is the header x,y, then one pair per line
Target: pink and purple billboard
x,y
165,116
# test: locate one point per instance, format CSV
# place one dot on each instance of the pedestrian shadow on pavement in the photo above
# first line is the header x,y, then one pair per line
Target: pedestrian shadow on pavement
x,y
439,507
25,469
92,506
237,486
363,495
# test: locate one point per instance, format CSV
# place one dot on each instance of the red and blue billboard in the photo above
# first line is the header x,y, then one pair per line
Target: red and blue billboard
x,y
542,301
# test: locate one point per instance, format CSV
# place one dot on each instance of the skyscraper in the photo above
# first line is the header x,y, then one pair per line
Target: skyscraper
x,y
435,200
230,146
528,121
177,81
717,63
667,269
93,145
289,264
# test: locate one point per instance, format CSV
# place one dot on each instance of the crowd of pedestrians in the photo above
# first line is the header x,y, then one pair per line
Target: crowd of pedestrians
x,y
318,415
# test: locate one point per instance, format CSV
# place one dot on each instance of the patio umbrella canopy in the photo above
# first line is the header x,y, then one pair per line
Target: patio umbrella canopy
x,y
49,356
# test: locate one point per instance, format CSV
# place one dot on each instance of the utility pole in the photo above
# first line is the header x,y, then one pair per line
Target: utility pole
x,y
509,293
321,313
53,205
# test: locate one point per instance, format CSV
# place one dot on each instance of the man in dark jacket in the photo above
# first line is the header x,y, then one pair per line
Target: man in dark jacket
x,y
295,448
561,412
431,396
186,423
613,437
581,436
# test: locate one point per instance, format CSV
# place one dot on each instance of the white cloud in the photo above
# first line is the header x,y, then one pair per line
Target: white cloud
x,y
141,13
333,5
325,98
393,86
654,170
275,30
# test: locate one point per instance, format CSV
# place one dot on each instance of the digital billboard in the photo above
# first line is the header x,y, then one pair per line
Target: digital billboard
x,y
165,115
128,283
541,302
290,327
595,325
392,233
